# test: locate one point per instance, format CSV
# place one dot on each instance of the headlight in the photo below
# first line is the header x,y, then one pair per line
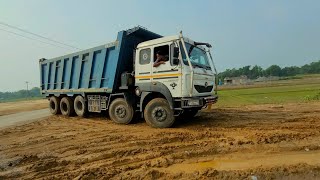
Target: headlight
x,y
194,102
137,91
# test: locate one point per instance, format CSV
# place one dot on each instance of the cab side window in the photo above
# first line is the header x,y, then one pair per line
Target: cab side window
x,y
145,56
163,50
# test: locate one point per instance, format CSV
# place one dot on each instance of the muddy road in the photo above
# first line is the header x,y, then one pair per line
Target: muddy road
x,y
262,141
22,106
23,117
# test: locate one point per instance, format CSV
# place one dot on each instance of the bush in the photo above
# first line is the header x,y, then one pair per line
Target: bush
x,y
315,97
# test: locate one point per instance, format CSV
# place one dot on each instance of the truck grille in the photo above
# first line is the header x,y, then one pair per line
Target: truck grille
x,y
203,89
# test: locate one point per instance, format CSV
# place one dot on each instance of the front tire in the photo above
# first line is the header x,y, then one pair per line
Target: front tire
x,y
158,113
120,111
80,106
66,106
54,105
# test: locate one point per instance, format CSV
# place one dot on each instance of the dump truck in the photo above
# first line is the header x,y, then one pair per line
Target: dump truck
x,y
119,79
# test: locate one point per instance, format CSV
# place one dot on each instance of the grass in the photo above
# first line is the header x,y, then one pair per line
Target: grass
x,y
290,92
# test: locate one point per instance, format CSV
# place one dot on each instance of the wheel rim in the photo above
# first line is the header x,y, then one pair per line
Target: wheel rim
x,y
79,105
121,111
64,107
159,114
52,105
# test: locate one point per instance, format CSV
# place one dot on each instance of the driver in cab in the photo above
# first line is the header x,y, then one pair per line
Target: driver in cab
x,y
161,59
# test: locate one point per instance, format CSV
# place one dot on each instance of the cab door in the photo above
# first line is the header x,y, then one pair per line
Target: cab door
x,y
143,65
168,73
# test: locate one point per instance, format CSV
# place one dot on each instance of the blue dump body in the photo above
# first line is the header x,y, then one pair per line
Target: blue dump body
x,y
93,70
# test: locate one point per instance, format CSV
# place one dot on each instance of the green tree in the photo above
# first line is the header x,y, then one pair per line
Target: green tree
x,y
21,94
256,72
273,70
290,71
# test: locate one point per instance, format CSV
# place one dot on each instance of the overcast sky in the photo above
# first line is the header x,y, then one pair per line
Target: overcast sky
x,y
246,32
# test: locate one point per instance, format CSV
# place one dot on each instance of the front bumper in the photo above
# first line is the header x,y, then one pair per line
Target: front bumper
x,y
211,99
203,101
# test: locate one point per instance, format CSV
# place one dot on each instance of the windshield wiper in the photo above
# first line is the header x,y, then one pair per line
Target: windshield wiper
x,y
202,66
197,65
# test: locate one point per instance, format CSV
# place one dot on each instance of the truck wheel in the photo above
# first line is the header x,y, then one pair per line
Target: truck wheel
x,y
188,114
120,111
80,106
158,113
66,106
54,105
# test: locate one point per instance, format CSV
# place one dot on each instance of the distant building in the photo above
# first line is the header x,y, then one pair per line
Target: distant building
x,y
236,80
269,78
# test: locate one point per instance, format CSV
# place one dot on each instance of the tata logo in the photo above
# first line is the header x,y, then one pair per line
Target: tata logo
x,y
145,56
173,85
206,84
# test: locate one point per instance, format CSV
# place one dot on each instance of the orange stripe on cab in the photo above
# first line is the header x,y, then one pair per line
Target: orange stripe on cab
x,y
158,75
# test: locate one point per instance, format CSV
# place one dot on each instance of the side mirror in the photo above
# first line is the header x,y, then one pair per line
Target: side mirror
x,y
175,61
175,52
175,58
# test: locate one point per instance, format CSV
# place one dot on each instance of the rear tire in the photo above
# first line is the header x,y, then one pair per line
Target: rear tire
x,y
54,105
158,113
66,106
120,111
80,106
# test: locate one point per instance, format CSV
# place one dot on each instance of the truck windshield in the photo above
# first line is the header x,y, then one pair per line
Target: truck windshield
x,y
198,57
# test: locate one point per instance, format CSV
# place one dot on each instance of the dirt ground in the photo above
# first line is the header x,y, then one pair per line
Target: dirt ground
x,y
251,142
21,106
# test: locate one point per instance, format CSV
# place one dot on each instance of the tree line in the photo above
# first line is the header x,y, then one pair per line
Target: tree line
x,y
254,72
251,72
21,94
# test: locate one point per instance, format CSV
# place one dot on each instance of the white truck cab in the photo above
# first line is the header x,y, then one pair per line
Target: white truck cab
x,y
188,75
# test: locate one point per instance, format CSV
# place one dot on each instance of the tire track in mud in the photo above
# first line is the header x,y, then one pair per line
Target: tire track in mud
x,y
59,147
